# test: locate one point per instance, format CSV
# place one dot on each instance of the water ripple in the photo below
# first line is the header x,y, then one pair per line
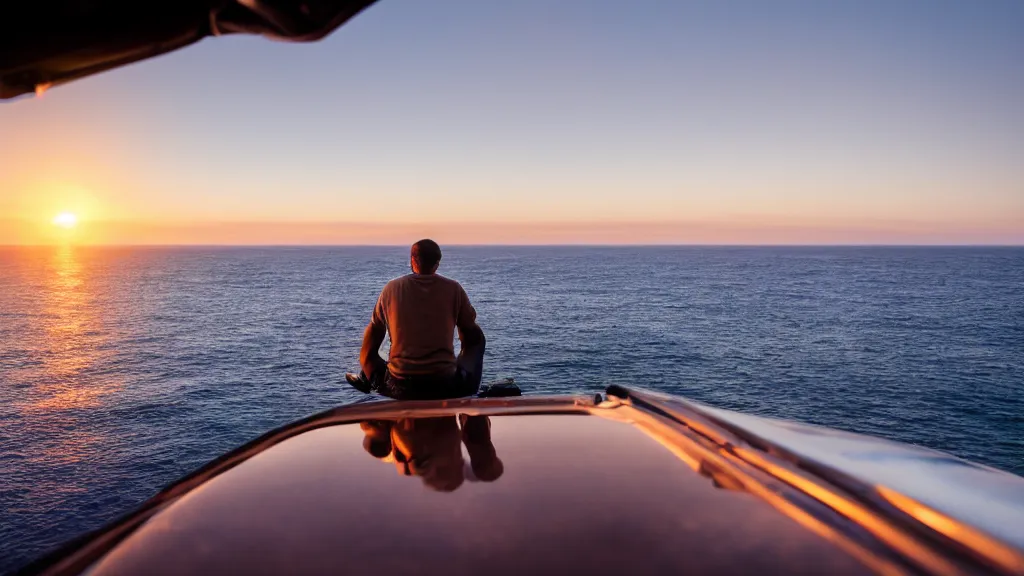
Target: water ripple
x,y
123,369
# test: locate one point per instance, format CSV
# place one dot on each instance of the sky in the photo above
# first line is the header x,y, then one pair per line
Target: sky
x,y
578,121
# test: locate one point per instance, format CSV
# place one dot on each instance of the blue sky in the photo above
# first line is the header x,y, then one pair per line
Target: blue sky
x,y
858,113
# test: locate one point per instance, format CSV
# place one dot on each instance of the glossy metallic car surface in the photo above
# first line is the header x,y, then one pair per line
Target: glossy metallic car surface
x,y
638,483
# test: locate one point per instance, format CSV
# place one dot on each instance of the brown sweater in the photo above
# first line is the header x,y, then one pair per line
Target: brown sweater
x,y
421,312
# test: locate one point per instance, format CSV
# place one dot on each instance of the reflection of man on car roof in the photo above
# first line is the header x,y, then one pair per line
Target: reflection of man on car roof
x,y
429,448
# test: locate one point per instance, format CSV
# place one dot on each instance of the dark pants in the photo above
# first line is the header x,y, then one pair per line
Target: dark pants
x,y
465,382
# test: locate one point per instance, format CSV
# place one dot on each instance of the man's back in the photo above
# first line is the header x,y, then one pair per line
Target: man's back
x,y
421,312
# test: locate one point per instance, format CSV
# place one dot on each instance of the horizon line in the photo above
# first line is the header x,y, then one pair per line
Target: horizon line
x,y
532,245
546,234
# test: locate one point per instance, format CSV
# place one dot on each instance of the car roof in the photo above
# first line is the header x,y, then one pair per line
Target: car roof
x,y
636,481
575,493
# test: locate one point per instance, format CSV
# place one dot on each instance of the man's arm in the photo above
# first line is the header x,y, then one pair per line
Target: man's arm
x,y
470,333
369,356
373,337
471,357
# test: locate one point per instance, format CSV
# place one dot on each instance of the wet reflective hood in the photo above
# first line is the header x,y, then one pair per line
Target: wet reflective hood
x,y
49,42
635,483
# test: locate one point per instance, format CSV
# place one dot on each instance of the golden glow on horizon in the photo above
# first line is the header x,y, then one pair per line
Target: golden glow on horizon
x,y
796,231
65,220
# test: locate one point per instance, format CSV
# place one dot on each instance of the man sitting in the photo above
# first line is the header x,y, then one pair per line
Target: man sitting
x,y
421,311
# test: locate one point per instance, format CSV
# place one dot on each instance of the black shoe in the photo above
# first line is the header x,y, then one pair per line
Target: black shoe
x,y
500,389
359,382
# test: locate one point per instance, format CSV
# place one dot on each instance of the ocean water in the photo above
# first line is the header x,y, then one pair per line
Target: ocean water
x,y
121,369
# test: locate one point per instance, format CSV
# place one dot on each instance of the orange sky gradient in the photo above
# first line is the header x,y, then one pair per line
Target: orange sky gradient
x,y
511,233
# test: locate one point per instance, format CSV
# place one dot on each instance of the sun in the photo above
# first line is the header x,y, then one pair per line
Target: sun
x,y
65,220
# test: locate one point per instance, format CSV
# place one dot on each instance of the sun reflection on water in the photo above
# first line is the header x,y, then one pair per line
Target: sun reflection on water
x,y
65,316
71,347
